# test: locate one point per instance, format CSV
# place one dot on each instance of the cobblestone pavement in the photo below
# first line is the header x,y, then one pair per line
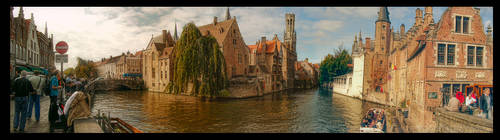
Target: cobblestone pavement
x,y
31,125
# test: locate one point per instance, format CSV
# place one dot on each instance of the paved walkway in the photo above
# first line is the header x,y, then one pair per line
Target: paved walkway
x,y
31,125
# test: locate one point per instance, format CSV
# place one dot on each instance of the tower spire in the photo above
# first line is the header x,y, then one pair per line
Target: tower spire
x,y
383,14
228,16
175,31
360,38
46,29
21,12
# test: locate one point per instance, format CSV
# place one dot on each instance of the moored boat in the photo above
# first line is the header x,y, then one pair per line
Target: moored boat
x,y
374,121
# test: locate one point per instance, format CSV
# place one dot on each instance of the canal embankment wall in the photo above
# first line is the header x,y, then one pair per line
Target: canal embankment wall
x,y
456,122
108,85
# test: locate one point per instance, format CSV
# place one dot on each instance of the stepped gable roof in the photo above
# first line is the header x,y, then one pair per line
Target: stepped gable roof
x,y
215,30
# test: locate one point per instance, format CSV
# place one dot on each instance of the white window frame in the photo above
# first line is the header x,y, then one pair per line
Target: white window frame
x,y
474,65
455,63
454,19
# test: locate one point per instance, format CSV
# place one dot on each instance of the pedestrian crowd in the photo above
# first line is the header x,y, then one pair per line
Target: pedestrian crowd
x,y
27,90
374,118
470,104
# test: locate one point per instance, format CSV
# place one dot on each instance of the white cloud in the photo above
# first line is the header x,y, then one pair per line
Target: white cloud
x,y
97,32
328,25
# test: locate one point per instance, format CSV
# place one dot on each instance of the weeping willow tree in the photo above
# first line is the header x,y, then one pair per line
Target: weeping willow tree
x,y
197,60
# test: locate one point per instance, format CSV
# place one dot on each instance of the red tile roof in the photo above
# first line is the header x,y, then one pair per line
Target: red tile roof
x,y
252,47
316,66
215,30
272,45
350,65
138,53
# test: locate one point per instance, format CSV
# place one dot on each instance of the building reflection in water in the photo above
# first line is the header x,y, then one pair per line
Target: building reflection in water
x,y
300,111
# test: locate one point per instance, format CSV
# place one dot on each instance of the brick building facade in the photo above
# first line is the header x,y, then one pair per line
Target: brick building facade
x,y
410,68
265,64
156,62
29,49
231,43
128,64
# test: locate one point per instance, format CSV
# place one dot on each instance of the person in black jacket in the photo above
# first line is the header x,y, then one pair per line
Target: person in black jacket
x,y
22,88
486,103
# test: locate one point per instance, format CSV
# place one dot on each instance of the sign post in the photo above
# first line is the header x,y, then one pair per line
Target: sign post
x,y
62,48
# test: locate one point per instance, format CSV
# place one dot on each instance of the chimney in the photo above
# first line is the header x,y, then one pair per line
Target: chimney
x,y
263,39
307,60
368,43
164,35
215,20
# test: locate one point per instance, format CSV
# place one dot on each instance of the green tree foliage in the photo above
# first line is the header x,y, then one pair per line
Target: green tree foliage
x,y
335,65
197,60
69,71
84,69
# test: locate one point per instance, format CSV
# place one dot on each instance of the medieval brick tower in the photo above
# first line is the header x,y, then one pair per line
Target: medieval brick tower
x,y
378,57
290,36
290,55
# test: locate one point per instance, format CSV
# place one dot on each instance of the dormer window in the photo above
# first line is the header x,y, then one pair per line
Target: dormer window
x,y
462,24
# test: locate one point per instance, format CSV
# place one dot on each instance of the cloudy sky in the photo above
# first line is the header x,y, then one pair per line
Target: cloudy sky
x,y
97,32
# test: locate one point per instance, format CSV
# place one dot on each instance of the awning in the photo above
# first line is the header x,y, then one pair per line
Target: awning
x,y
43,71
21,68
132,75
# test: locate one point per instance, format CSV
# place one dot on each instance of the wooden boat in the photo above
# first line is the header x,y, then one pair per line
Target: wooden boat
x,y
114,125
374,121
120,126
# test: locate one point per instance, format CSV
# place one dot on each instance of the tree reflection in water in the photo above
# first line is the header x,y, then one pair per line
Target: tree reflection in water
x,y
312,110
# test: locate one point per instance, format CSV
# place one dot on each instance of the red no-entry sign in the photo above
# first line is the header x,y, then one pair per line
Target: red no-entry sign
x,y
61,47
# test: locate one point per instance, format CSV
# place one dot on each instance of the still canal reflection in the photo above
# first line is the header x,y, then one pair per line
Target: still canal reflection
x,y
314,110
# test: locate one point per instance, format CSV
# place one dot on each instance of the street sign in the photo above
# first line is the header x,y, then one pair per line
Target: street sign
x,y
61,47
63,57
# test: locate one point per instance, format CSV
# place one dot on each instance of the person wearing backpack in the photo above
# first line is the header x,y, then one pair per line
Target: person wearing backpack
x,y
22,88
34,99
46,87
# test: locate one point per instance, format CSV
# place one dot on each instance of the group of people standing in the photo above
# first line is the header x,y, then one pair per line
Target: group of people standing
x,y
28,89
468,104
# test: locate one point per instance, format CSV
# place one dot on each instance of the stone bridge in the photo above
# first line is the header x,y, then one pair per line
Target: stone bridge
x,y
106,85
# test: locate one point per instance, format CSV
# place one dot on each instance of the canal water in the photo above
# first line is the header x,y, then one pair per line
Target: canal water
x,y
304,111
